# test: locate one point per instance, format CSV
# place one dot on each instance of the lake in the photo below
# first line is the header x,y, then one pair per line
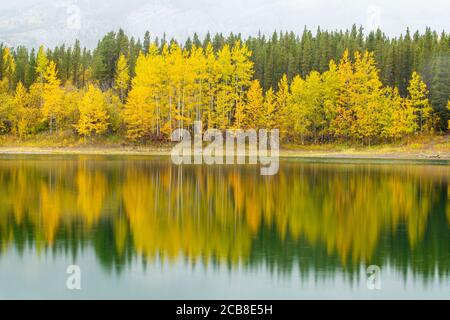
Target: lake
x,y
140,227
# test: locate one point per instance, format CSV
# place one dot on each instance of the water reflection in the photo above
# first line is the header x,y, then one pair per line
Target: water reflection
x,y
315,218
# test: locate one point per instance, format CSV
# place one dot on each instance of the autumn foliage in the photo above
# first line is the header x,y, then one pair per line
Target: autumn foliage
x,y
171,87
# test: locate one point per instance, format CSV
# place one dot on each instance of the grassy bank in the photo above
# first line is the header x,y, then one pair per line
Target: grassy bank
x,y
426,147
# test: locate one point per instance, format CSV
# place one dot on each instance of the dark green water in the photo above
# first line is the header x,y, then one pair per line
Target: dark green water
x,y
142,228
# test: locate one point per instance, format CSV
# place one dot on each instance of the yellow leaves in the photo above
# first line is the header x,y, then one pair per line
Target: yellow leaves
x,y
20,96
295,103
138,113
122,76
53,95
114,110
243,66
250,114
448,108
51,206
364,97
9,66
51,77
93,113
398,119
348,102
4,86
6,107
176,87
270,115
41,62
417,89
418,95
91,194
173,87
24,116
8,61
281,99
167,130
224,63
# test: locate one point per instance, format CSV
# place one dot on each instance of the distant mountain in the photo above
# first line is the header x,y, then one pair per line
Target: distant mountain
x,y
53,22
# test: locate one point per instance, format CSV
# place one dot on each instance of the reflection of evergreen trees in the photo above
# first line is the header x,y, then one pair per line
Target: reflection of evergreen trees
x,y
105,247
320,219
429,258
431,255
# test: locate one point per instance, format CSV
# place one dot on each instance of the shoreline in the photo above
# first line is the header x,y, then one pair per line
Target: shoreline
x,y
381,154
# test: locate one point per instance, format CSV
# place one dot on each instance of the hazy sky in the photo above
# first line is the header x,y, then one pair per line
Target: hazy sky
x,y
51,22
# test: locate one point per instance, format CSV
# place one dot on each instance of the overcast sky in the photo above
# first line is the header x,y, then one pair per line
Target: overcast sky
x,y
52,22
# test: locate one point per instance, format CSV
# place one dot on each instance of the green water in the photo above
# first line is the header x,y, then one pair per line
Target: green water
x,y
139,227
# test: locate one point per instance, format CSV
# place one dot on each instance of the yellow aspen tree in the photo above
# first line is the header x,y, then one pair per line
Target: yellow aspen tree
x,y
404,122
330,92
9,67
114,110
283,113
418,95
4,86
94,118
122,76
224,96
192,85
448,108
366,97
71,98
41,68
159,91
178,76
242,71
35,103
270,116
166,92
249,114
342,123
26,106
186,88
21,118
6,100
139,112
212,79
197,66
299,110
6,113
172,84
314,100
52,108
41,63
409,118
397,117
138,115
391,114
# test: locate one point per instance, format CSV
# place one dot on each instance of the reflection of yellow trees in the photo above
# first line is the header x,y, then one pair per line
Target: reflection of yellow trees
x,y
182,217
47,195
448,203
346,208
217,212
91,193
51,209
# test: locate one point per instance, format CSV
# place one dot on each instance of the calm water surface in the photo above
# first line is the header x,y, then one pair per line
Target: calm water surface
x,y
142,228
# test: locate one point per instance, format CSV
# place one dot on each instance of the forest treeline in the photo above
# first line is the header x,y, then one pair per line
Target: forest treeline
x,y
316,88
